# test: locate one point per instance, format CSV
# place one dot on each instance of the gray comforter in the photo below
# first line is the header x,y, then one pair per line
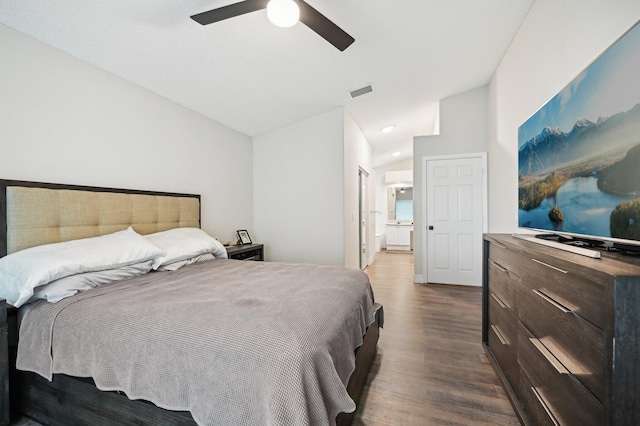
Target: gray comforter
x,y
234,343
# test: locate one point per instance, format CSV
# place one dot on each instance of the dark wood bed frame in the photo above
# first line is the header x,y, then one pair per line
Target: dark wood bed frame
x,y
72,401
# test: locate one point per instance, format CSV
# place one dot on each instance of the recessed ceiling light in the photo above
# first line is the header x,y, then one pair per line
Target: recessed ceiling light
x,y
396,153
387,129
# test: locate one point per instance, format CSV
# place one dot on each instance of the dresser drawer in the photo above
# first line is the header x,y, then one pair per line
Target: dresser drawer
x,y
560,281
502,285
508,259
537,409
551,394
578,344
503,340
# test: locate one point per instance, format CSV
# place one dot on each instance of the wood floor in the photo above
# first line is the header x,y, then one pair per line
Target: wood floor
x,y
430,368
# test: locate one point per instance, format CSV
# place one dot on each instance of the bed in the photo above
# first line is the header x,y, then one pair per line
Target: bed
x,y
298,375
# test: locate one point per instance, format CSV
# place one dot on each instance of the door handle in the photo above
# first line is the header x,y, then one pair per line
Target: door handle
x,y
551,359
551,301
430,228
545,406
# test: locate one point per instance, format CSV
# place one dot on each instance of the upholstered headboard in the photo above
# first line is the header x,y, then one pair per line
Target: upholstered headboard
x,y
34,213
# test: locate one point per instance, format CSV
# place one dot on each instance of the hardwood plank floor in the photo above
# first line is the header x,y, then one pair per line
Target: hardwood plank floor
x,y
430,368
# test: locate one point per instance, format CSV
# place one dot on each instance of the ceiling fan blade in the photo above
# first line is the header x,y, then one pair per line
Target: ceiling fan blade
x,y
324,27
229,11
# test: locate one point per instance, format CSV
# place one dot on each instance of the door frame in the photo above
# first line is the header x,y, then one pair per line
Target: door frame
x,y
485,201
363,177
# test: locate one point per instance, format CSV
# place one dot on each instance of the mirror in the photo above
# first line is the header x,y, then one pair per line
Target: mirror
x,y
400,204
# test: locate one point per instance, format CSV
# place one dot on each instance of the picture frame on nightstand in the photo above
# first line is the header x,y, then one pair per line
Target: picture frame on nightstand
x,y
243,236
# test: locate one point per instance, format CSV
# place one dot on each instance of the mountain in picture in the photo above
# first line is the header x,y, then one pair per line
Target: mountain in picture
x,y
622,177
553,147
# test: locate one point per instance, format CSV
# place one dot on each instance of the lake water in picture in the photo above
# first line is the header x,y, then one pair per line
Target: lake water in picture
x,y
586,209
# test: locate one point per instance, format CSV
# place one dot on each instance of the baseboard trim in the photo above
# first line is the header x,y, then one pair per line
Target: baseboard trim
x,y
419,279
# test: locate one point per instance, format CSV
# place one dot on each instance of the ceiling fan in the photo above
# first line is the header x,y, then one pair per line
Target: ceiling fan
x,y
301,9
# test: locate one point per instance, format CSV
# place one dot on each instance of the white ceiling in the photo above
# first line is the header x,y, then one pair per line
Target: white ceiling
x,y
255,77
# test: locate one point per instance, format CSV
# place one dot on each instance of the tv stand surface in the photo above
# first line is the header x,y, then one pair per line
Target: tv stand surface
x,y
575,240
552,237
559,244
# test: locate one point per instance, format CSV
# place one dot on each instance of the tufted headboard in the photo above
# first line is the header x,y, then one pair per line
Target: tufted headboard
x,y
34,213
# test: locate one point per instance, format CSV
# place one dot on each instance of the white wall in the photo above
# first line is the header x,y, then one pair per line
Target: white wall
x,y
557,40
357,155
298,191
463,130
306,190
65,121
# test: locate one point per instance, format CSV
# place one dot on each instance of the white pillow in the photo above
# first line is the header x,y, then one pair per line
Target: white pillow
x,y
57,290
185,243
180,263
24,270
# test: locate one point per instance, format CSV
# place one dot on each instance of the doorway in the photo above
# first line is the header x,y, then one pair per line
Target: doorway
x,y
456,217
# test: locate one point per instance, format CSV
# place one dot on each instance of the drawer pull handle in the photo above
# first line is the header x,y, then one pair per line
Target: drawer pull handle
x,y
551,301
545,406
550,266
500,302
549,356
500,336
498,266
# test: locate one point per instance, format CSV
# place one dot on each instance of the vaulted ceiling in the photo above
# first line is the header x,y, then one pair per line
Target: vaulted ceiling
x,y
254,77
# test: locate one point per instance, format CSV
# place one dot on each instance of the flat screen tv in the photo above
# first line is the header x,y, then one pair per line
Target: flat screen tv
x,y
579,154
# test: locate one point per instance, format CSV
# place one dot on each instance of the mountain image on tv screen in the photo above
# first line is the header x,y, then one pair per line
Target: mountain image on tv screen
x,y
579,155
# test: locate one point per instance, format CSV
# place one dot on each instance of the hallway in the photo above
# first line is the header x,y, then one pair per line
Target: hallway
x,y
430,368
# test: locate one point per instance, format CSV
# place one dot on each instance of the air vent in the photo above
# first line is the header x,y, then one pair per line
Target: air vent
x,y
361,91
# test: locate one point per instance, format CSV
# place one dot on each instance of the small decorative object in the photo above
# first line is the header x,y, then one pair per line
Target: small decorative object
x,y
556,215
244,237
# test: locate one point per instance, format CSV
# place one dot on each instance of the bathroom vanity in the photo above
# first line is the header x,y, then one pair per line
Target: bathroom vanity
x,y
399,236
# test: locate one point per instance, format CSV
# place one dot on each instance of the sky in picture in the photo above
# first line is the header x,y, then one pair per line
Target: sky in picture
x,y
611,84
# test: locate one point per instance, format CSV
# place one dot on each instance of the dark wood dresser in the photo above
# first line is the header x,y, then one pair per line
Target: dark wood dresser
x,y
563,332
246,252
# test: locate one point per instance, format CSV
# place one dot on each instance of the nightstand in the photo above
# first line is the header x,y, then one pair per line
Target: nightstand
x,y
246,252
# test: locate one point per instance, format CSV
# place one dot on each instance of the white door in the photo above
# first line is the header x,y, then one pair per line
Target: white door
x,y
455,220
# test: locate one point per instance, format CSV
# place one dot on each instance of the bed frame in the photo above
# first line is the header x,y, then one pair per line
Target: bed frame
x,y
73,401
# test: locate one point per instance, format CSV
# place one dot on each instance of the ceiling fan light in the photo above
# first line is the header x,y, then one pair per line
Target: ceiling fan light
x,y
283,13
